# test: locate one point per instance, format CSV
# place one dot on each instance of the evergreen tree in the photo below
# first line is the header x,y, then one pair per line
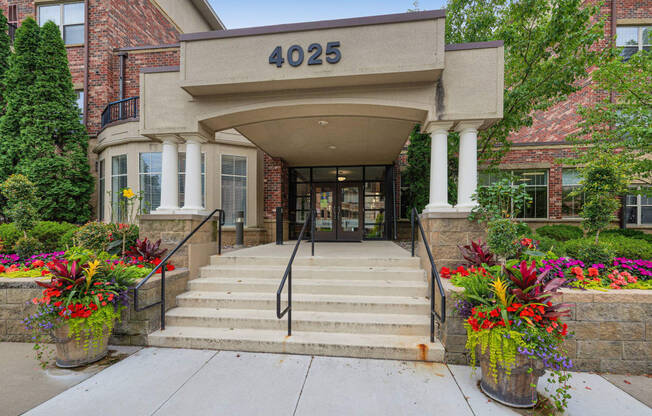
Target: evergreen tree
x,y
5,51
17,83
54,143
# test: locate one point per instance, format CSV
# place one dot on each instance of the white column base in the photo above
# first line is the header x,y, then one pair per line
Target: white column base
x,y
192,211
438,208
165,211
448,209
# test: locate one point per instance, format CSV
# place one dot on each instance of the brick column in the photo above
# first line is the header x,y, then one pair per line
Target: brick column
x,y
276,190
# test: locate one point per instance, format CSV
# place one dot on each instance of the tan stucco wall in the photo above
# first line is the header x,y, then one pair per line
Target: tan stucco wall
x,y
408,51
472,85
132,146
184,15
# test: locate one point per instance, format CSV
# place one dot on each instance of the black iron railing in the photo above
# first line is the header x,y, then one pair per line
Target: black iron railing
x,y
162,265
287,276
121,110
434,276
12,31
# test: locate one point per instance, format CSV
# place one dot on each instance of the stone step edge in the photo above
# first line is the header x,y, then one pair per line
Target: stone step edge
x,y
403,347
306,298
301,315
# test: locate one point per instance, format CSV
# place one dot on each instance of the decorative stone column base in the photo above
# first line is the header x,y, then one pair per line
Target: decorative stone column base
x,y
172,229
445,231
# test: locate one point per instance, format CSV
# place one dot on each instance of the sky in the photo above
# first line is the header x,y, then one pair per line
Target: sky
x,y
249,13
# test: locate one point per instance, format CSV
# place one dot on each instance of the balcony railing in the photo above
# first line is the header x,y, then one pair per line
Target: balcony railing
x,y
12,31
121,110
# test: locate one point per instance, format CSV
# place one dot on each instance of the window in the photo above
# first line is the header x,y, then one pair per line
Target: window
x,y
69,17
102,192
182,178
638,209
149,171
118,182
234,186
633,39
536,185
13,22
571,206
80,100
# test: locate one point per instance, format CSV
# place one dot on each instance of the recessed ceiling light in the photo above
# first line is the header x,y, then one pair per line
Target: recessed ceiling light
x,y
322,122
332,147
341,178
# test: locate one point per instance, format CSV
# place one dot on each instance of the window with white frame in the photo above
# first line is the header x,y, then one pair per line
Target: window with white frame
x,y
102,191
182,178
68,16
234,186
118,183
571,205
638,208
633,39
149,173
536,185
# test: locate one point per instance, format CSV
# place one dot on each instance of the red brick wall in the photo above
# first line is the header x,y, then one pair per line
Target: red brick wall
x,y
135,61
276,186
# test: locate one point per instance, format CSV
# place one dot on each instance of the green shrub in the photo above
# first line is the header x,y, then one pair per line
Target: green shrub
x,y
586,250
67,239
502,237
28,246
116,234
546,243
560,232
49,233
9,234
523,228
93,236
631,248
627,232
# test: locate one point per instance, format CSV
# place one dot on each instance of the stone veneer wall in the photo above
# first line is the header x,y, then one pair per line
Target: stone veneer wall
x,y
16,296
446,231
612,331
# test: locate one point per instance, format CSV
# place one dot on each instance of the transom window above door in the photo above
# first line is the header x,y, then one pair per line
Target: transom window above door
x,y
68,16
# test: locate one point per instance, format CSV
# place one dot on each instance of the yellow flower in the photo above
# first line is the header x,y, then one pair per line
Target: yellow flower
x,y
91,271
128,193
500,289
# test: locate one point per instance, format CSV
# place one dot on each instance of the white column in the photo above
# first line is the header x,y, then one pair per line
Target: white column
x,y
169,176
468,165
438,200
192,202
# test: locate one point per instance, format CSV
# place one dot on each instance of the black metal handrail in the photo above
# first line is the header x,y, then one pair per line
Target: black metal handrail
x,y
287,276
434,276
163,262
121,110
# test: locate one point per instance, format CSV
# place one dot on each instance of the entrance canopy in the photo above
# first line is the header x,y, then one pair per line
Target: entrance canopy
x,y
339,92
320,93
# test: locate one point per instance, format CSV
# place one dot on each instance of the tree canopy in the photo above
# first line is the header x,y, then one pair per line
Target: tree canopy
x,y
549,45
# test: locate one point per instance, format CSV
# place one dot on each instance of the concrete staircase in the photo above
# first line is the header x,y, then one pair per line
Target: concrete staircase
x,y
372,307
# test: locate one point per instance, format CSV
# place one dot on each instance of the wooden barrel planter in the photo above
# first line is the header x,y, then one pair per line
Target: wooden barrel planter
x,y
86,349
516,389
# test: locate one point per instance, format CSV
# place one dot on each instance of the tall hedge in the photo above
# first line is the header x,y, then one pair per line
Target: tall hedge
x,y
54,153
18,81
5,51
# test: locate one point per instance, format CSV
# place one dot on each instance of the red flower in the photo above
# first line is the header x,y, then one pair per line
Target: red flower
x,y
495,313
38,263
2,268
445,272
593,272
169,267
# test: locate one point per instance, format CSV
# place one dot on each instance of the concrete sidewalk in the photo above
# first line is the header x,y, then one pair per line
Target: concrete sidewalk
x,y
159,381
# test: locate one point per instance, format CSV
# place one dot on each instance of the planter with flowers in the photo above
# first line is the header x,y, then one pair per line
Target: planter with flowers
x,y
79,307
513,330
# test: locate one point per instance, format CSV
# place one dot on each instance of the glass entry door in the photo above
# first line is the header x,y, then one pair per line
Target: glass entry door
x,y
349,217
325,227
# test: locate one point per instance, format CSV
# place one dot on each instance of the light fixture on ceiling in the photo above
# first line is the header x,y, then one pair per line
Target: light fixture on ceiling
x,y
322,123
332,147
341,178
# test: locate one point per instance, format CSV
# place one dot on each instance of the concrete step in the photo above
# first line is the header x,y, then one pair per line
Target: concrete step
x,y
314,272
307,302
232,260
358,323
397,347
314,286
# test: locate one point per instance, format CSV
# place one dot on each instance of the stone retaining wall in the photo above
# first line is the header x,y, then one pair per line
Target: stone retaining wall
x,y
16,296
612,331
